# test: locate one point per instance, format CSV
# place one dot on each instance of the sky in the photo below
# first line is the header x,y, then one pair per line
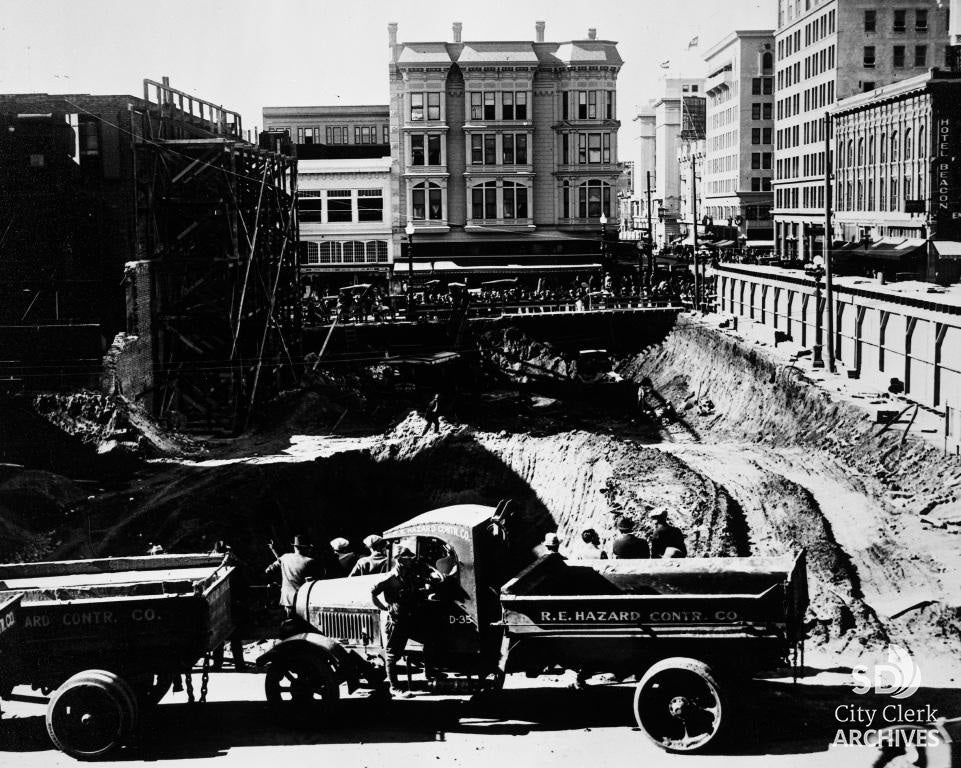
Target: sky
x,y
245,55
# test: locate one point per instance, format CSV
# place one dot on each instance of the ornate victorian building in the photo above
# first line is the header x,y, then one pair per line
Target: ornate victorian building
x,y
505,153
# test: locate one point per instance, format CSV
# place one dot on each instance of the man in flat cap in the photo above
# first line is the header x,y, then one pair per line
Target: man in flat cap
x,y
627,545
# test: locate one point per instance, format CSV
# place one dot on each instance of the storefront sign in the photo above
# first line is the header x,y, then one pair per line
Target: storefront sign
x,y
945,177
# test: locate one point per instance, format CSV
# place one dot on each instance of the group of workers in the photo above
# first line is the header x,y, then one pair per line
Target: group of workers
x,y
666,541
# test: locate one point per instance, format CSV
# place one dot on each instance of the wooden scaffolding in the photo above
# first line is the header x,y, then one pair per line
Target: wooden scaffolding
x,y
217,221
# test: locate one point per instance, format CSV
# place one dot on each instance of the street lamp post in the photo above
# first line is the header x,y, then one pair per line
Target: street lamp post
x,y
603,221
409,230
817,272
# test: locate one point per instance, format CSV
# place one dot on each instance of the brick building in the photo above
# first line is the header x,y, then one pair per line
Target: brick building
x,y
738,164
828,50
896,177
505,152
332,125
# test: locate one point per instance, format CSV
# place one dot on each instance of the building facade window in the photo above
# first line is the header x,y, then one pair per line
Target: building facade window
x,y
897,56
515,200
594,198
869,57
483,149
433,105
370,205
921,20
427,202
920,55
416,107
339,206
484,200
870,20
900,20
514,149
310,206
425,149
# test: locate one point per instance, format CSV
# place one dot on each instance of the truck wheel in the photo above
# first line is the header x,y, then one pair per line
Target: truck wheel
x,y
91,714
300,681
678,704
150,689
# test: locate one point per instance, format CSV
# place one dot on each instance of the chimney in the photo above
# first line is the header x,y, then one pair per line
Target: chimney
x,y
539,31
592,34
392,36
457,28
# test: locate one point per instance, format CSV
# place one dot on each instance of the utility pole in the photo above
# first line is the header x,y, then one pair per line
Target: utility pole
x,y
650,235
697,272
828,237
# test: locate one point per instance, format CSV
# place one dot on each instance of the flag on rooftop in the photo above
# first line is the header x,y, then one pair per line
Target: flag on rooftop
x,y
666,64
694,42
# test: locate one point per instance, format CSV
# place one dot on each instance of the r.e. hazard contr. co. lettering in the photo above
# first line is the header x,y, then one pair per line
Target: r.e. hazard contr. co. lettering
x,y
88,618
634,617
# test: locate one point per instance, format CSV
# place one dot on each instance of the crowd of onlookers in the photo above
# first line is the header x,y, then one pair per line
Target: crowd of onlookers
x,y
374,303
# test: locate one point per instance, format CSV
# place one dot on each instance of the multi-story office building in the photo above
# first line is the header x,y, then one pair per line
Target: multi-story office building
x,y
690,165
679,115
828,50
897,200
337,125
738,166
505,152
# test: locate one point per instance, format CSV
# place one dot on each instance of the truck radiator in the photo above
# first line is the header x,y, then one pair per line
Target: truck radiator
x,y
351,627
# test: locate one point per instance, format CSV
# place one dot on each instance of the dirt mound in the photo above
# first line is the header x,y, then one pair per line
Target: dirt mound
x,y
112,425
34,505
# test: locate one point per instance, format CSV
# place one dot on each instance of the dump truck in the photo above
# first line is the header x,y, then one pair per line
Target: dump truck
x,y
106,637
690,630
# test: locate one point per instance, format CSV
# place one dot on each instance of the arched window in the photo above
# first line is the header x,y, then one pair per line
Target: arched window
x,y
870,200
871,151
515,200
325,253
484,200
894,147
767,61
861,151
371,249
594,198
427,202
849,196
908,146
566,198
860,201
850,152
908,187
347,249
884,148
313,253
922,147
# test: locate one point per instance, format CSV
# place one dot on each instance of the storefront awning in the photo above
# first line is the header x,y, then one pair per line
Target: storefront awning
x,y
423,268
888,249
724,243
759,244
947,247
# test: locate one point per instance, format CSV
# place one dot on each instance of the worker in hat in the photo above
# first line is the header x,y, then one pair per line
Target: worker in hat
x,y
403,590
295,569
627,545
376,561
346,557
666,540
551,545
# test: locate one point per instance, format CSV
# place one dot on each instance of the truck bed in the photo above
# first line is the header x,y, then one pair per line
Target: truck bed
x,y
562,609
129,615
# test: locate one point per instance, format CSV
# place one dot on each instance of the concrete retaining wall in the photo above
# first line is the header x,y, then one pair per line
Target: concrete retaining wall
x,y
917,341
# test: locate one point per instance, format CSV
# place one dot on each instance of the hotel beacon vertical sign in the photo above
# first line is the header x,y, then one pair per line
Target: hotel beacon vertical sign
x,y
947,185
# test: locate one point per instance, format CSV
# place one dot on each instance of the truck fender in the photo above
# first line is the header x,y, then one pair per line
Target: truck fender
x,y
348,666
